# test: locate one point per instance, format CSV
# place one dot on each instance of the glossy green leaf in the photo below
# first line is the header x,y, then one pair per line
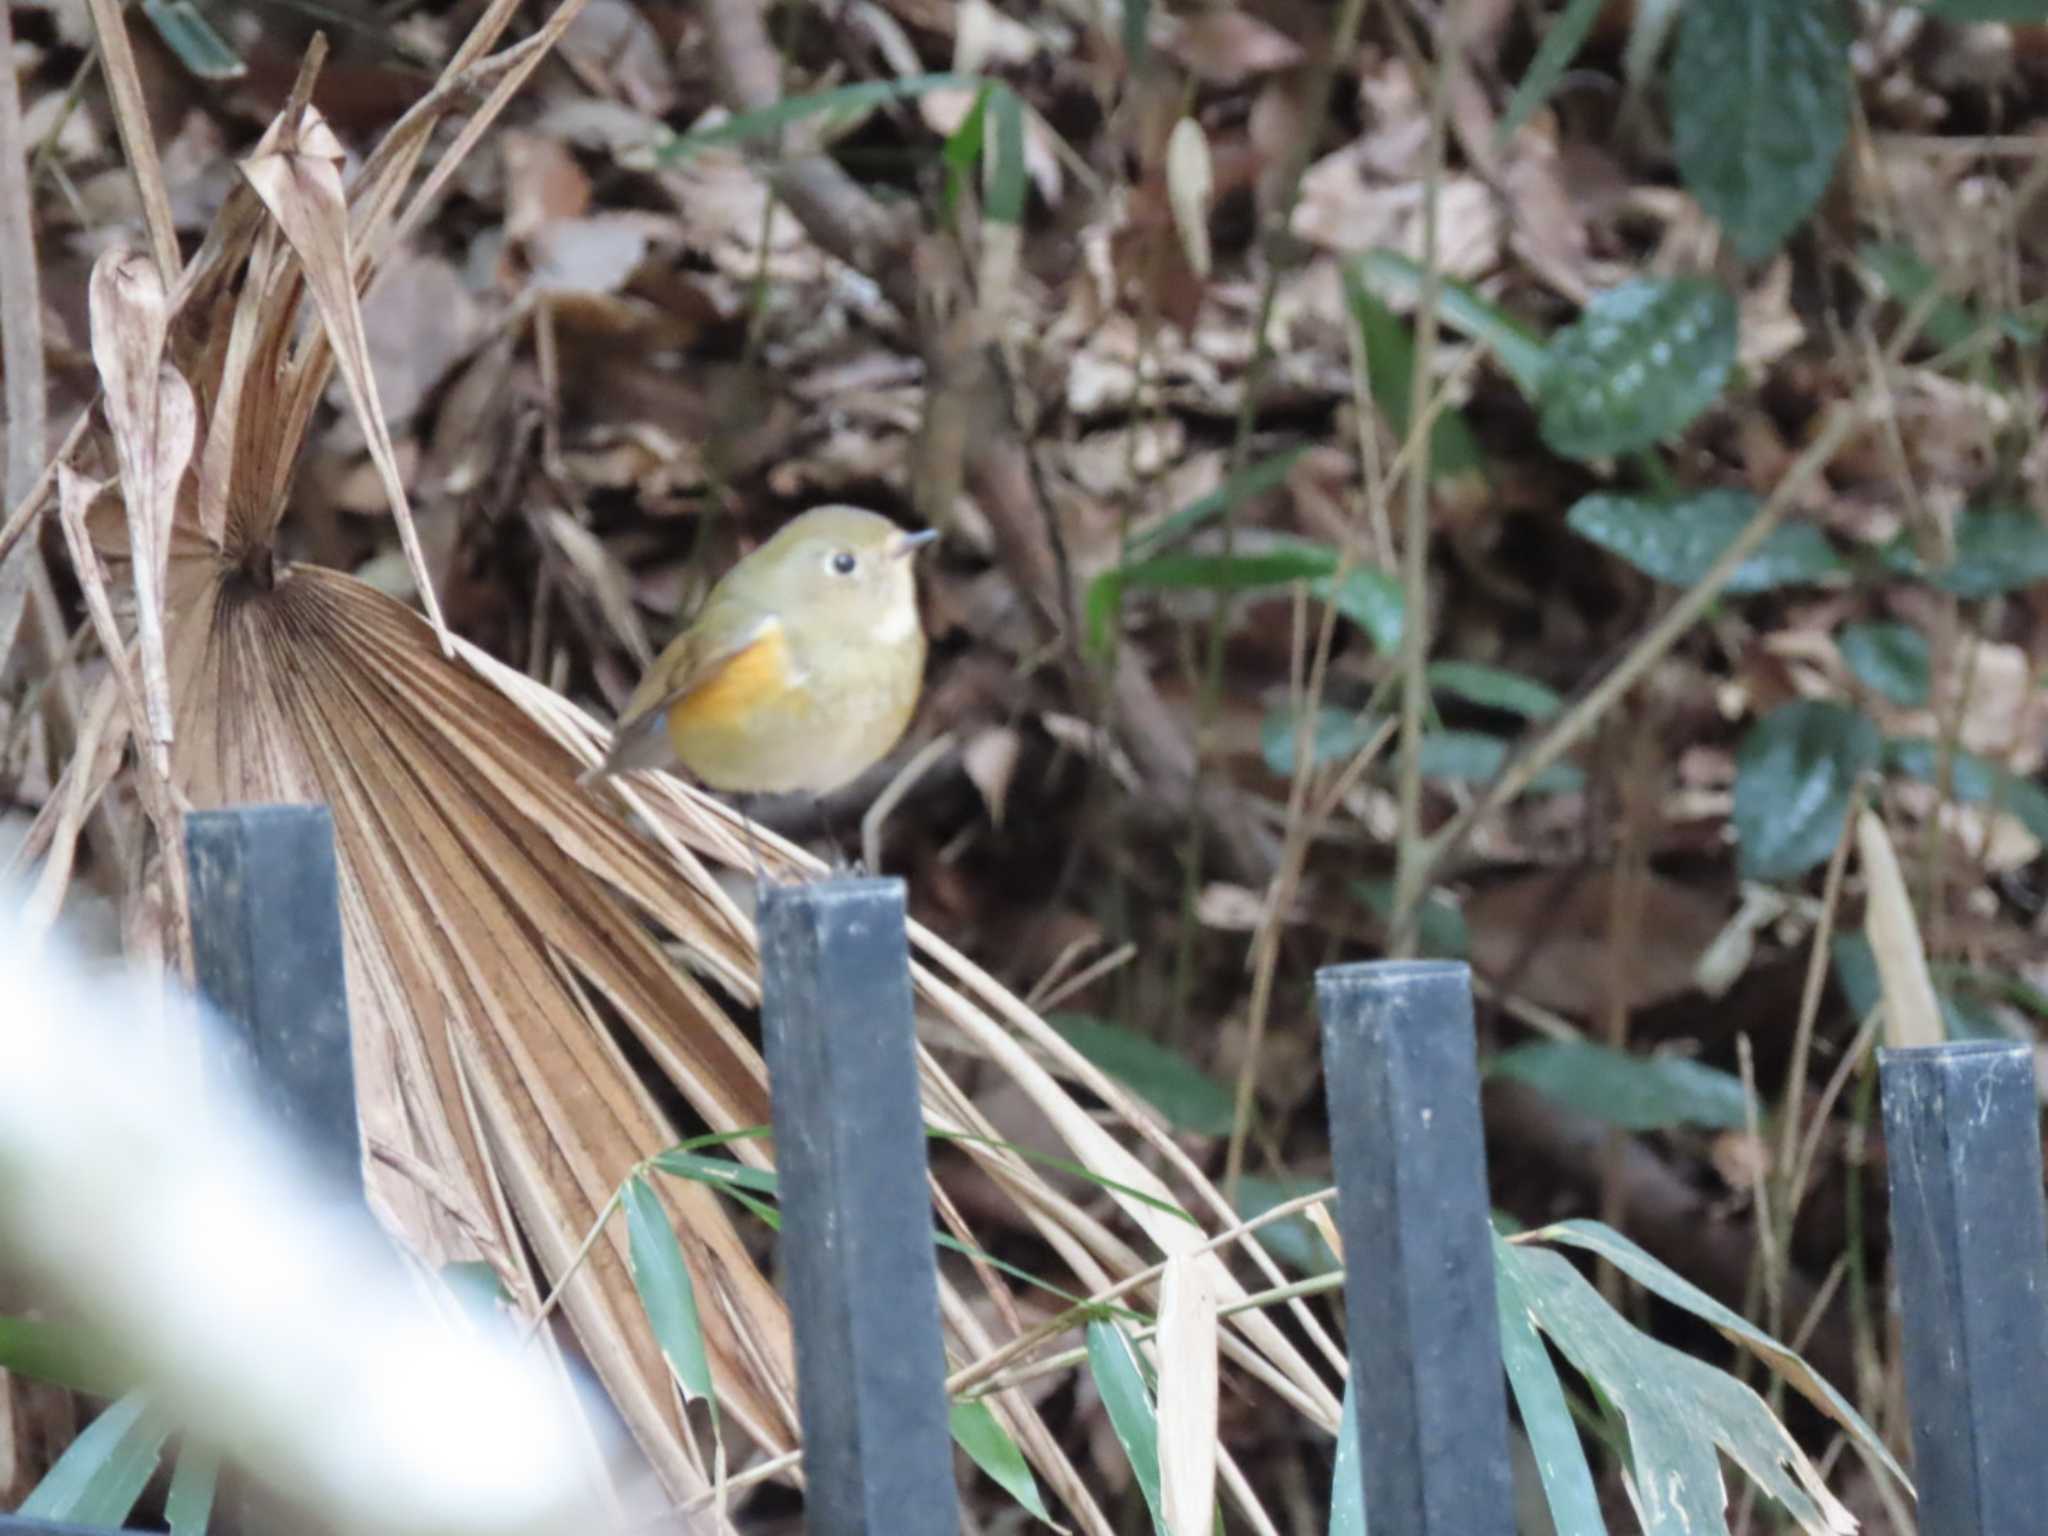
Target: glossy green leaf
x,y
1187,1097
845,101
1214,573
1637,1093
1120,1382
666,1294
1369,598
1759,112
1347,1473
1889,659
188,1507
1637,367
1678,1411
1595,1237
1338,735
1973,780
1560,45
1472,757
1546,1416
1440,929
1494,688
1793,775
1293,1240
1677,541
1997,549
196,42
977,1432
103,1472
1390,368
1460,306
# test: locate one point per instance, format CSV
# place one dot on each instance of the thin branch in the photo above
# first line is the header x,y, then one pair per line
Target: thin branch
x,y
21,336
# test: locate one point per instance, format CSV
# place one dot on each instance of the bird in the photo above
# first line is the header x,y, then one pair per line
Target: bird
x,y
799,672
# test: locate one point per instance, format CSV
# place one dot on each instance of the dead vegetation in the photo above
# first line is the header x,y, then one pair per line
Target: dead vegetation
x,y
405,391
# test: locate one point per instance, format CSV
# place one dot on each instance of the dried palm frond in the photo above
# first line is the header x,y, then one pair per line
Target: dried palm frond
x,y
496,915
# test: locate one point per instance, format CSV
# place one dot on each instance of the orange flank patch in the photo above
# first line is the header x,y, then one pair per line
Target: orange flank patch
x,y
755,675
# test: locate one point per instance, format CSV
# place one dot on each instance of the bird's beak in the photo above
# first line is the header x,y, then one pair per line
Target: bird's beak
x,y
905,544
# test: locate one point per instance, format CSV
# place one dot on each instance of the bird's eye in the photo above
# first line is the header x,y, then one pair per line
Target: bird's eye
x,y
844,562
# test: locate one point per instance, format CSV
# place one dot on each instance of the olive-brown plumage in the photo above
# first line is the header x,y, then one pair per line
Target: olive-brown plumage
x,y
800,671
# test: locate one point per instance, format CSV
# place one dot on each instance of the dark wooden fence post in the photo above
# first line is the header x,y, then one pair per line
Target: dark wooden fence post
x,y
1403,1087
266,940
838,1022
1962,1127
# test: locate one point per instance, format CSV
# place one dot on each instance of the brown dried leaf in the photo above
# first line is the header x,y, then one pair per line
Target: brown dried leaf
x,y
296,170
1225,46
1547,937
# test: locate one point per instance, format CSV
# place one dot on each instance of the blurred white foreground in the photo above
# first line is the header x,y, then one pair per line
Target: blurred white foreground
x,y
267,1322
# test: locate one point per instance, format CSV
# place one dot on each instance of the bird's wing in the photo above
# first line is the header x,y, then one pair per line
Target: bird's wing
x,y
726,658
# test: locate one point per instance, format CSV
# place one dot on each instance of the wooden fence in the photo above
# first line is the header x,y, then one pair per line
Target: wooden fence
x,y
1962,1131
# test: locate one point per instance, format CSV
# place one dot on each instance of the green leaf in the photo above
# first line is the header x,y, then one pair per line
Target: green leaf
x,y
1889,659
1471,757
1678,1410
718,1172
1595,1237
1998,549
63,1354
103,1472
1460,306
1676,541
188,34
1120,1381
1440,928
1973,780
666,1294
1793,775
1347,1476
1759,112
1293,1240
188,1507
1006,175
962,152
1248,484
1137,31
1637,1093
1546,1416
988,1444
1214,573
845,101
1390,367
1987,10
1494,688
1369,598
1637,367
1337,737
1188,1098
1554,55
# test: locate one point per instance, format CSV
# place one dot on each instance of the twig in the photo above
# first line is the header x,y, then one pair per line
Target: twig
x,y
21,336
1411,857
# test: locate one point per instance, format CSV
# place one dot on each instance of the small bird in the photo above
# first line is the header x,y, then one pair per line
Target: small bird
x,y
799,672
